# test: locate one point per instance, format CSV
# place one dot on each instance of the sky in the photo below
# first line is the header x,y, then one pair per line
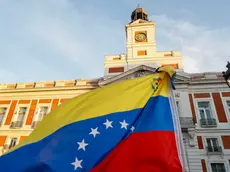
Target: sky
x,y
44,40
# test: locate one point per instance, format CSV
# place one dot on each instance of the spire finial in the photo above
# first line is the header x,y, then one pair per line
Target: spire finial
x,y
138,5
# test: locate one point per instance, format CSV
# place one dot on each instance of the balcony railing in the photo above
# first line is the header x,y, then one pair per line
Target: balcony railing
x,y
214,150
16,124
187,122
211,122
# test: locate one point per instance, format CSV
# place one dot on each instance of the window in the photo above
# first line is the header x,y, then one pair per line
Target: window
x,y
116,69
218,167
21,113
206,117
212,145
13,142
205,110
178,107
142,53
139,15
43,111
228,104
2,113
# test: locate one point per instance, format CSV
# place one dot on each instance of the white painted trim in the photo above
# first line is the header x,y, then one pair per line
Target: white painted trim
x,y
7,141
52,101
27,113
221,98
9,138
17,108
38,108
178,133
217,161
59,101
219,141
213,109
7,112
224,101
45,104
179,108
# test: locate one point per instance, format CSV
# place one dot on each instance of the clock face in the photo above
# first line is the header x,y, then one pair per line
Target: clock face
x,y
140,37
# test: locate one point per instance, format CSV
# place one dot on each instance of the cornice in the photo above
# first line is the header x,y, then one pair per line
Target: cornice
x,y
213,130
19,90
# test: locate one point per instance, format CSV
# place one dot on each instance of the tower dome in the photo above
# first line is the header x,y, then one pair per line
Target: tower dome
x,y
139,13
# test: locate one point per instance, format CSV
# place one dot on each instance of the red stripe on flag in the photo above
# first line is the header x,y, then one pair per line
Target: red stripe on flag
x,y
142,152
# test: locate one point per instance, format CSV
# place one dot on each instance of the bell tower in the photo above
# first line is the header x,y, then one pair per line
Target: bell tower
x,y
140,36
139,13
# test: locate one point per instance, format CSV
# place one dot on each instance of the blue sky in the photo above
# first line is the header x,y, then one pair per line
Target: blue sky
x,y
68,39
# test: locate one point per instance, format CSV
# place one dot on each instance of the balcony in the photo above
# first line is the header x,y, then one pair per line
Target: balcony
x,y
211,122
214,150
187,122
16,124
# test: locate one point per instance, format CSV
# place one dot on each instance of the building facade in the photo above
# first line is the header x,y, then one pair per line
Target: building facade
x,y
202,99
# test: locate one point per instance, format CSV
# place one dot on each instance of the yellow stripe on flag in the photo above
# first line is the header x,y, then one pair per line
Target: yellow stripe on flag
x,y
118,97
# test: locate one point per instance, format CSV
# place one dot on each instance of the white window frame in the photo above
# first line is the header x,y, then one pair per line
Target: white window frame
x,y
204,109
24,114
179,109
15,142
16,113
219,140
7,111
212,106
217,161
59,101
38,108
224,100
67,98
48,109
9,138
212,138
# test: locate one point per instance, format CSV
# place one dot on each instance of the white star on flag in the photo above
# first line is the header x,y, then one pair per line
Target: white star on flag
x,y
124,124
77,163
132,128
94,132
82,145
108,124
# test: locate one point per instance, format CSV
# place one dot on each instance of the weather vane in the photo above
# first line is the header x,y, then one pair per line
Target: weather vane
x,y
138,5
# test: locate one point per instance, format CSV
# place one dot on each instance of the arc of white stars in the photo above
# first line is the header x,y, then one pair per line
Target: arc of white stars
x,y
94,132
124,124
108,124
77,163
82,145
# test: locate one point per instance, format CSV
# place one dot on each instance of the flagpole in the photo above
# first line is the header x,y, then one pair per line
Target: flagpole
x,y
177,126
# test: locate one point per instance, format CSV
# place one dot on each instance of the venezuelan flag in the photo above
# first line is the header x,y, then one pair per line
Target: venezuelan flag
x,y
127,126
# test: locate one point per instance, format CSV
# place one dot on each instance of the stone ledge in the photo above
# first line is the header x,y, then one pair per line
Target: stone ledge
x,y
50,84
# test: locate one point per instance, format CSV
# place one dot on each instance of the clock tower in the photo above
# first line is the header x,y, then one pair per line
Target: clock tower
x,y
140,36
140,48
